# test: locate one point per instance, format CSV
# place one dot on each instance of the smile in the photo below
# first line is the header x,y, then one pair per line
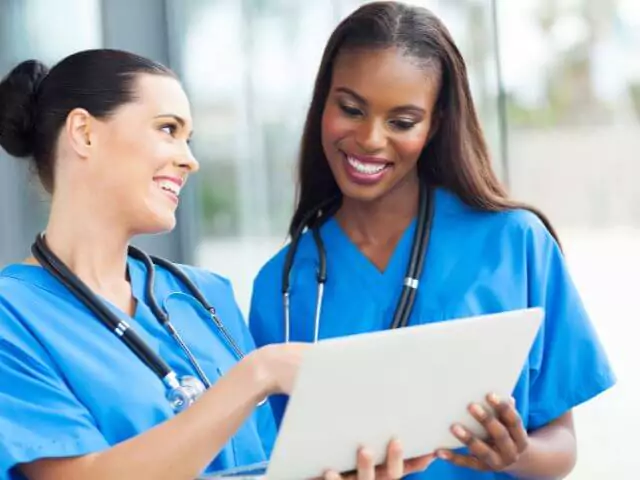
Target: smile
x,y
172,186
365,170
365,167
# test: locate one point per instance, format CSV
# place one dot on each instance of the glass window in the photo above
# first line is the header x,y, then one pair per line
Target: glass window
x,y
572,77
28,31
249,68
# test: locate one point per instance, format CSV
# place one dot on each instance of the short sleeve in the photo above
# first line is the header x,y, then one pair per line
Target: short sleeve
x,y
571,365
256,322
266,332
266,316
39,416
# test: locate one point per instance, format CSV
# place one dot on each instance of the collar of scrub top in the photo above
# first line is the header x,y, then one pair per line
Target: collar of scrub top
x,y
182,391
414,267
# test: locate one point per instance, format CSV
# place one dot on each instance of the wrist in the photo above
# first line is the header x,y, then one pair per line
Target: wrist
x,y
522,465
259,373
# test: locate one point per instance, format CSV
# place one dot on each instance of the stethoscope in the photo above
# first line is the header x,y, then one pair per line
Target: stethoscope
x,y
181,391
411,280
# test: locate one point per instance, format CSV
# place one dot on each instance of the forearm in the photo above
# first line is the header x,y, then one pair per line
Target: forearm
x,y
551,453
182,447
179,448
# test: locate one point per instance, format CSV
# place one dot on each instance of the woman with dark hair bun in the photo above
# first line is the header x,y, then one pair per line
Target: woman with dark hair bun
x,y
400,220
114,364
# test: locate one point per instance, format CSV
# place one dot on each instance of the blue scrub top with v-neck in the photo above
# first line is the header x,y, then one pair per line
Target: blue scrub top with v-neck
x,y
69,387
477,263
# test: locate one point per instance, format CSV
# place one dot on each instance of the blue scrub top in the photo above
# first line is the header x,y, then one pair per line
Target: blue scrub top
x,y
68,386
477,263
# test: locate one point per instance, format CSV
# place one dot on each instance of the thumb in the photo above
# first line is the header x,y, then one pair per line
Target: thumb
x,y
332,475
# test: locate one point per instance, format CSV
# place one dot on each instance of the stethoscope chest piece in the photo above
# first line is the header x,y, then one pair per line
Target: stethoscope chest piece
x,y
183,392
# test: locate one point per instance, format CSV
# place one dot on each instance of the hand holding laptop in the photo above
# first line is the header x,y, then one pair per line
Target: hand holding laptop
x,y
497,449
394,468
430,374
504,438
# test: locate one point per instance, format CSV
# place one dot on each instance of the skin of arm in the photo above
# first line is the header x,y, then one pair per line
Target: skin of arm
x,y
551,452
179,448
548,452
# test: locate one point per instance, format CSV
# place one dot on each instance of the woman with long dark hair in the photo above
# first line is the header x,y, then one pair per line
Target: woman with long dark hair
x,y
393,156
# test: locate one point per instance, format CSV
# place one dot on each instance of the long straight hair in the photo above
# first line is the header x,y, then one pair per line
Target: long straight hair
x,y
456,157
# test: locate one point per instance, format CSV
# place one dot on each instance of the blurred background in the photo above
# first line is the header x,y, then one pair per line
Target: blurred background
x,y
557,84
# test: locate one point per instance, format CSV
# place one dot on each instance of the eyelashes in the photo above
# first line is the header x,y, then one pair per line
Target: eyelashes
x,y
403,124
350,111
172,129
169,128
397,123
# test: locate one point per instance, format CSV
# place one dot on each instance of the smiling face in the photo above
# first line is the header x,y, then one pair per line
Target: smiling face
x,y
140,157
376,120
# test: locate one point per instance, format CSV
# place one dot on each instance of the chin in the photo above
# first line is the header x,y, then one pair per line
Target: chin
x,y
362,193
155,224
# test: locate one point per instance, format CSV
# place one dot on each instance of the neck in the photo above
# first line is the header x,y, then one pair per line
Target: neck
x,y
93,247
378,222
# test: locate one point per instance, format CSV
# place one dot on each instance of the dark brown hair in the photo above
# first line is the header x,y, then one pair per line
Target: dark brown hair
x,y
35,102
456,157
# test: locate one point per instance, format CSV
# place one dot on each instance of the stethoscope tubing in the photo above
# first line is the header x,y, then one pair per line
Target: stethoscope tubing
x,y
119,327
411,280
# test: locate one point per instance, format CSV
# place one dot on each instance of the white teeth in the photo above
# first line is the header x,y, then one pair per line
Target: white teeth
x,y
168,186
366,168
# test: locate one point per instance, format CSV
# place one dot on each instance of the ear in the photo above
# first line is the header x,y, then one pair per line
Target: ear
x,y
78,131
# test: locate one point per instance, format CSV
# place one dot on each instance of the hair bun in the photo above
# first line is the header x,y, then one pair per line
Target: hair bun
x,y
17,112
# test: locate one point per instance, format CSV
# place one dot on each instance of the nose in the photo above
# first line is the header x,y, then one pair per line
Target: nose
x,y
188,162
371,136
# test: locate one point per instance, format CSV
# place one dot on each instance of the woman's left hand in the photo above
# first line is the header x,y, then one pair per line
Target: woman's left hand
x,y
393,469
507,438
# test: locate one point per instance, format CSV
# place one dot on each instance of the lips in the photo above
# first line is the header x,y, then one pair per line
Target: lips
x,y
368,168
365,170
170,185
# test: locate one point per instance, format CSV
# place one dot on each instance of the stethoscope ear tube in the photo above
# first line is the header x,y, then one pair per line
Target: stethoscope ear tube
x,y
170,267
322,259
422,249
409,284
321,273
321,279
414,268
296,237
418,254
109,319
181,392
149,261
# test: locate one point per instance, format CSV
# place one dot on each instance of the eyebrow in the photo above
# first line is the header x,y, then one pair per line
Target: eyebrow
x,y
398,109
177,118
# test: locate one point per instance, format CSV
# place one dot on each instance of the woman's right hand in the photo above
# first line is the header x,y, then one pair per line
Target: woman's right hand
x,y
277,365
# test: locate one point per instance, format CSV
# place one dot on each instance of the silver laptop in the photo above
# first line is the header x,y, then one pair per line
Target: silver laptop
x,y
411,383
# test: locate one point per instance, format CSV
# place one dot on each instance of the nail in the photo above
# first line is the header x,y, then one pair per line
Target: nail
x,y
459,431
395,444
493,398
366,454
480,412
